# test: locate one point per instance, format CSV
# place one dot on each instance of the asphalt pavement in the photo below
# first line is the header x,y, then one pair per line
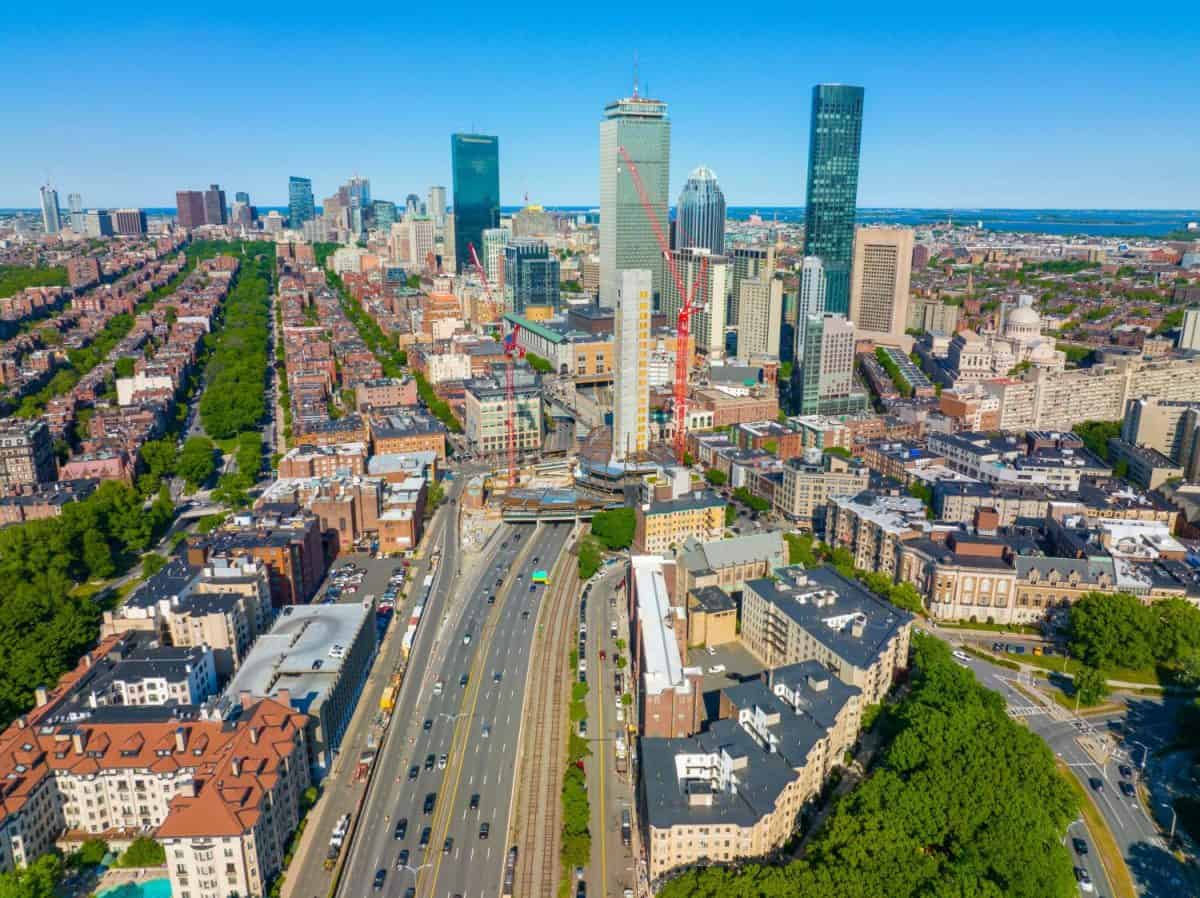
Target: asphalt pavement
x,y
450,720
1156,872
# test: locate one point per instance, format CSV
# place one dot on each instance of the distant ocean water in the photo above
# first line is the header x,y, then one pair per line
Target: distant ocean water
x,y
1083,222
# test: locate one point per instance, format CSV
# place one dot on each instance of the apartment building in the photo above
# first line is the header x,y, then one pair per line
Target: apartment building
x,y
285,538
26,452
485,414
324,461
385,392
410,432
819,615
873,527
737,790
809,481
1157,424
222,604
662,524
958,500
1147,467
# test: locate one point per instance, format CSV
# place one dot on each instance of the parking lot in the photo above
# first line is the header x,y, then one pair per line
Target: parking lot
x,y
723,665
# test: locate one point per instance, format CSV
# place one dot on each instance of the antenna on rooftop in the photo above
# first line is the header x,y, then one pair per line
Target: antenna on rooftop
x,y
635,74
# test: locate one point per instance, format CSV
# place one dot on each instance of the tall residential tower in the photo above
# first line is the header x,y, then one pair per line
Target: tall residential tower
x,y
835,138
51,217
631,351
627,238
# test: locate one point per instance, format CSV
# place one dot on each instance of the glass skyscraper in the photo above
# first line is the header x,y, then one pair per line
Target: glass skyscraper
x,y
530,275
701,213
51,216
384,213
835,139
475,164
300,202
627,238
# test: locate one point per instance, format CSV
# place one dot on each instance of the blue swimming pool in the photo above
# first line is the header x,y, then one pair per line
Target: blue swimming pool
x,y
151,888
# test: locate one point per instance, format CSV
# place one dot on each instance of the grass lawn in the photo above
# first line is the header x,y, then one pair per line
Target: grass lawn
x,y
88,589
1102,839
1024,629
1148,676
990,658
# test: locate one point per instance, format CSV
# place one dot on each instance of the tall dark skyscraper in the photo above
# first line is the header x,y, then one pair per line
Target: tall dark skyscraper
x,y
189,206
835,138
300,202
242,197
475,162
215,210
701,213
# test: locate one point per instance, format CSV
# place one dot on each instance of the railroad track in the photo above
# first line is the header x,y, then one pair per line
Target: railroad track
x,y
539,814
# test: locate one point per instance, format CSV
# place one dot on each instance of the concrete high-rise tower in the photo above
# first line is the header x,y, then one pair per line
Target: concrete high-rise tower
x,y
51,216
627,238
631,352
436,206
701,213
835,139
811,301
879,283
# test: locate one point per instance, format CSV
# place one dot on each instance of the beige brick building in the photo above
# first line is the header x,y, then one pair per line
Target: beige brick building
x,y
663,524
809,481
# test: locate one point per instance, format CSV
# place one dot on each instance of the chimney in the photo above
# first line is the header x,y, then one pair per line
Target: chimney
x,y
284,697
246,698
857,628
77,742
254,735
236,766
40,696
180,740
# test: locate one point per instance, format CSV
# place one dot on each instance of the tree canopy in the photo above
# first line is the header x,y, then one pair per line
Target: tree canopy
x,y
962,802
615,527
1111,630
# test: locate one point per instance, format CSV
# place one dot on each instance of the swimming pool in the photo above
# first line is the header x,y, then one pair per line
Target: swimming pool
x,y
151,888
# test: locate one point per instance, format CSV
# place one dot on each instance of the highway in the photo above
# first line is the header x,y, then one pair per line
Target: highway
x,y
431,723
1156,872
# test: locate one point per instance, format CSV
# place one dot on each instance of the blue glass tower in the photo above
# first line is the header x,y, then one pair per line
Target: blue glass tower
x,y
300,202
835,139
475,161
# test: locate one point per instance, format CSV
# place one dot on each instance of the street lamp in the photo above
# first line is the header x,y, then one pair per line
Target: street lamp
x,y
1145,752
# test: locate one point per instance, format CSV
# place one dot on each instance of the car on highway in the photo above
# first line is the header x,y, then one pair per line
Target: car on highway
x,y
717,668
430,801
437,688
491,599
1096,783
1084,880
380,878
581,889
583,727
442,762
1127,789
484,829
474,803
402,859
448,845
1125,770
430,760
401,828
427,725
425,835
466,638
486,730
496,676
410,892
462,681
1081,846
413,771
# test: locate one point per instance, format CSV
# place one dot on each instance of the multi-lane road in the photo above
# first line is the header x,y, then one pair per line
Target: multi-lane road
x,y
458,723
1156,872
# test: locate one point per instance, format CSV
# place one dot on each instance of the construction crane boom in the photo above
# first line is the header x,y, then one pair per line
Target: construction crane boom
x,y
510,395
688,305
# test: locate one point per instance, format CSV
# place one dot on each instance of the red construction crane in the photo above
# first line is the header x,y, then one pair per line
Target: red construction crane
x,y
688,305
510,398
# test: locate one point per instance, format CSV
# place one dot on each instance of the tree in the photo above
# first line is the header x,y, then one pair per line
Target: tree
x,y
159,458
1111,630
1090,685
715,477
537,363
38,880
142,852
89,854
730,515
97,555
197,461
839,451
615,528
152,563
1096,434
800,549
123,367
755,503
589,557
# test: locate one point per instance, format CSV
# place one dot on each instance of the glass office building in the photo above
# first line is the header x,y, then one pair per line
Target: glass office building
x,y
300,202
475,161
835,139
701,213
530,275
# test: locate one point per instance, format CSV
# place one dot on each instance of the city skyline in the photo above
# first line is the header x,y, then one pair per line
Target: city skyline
x,y
972,126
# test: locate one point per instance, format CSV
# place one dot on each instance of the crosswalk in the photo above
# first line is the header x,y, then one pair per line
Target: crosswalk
x,y
1024,710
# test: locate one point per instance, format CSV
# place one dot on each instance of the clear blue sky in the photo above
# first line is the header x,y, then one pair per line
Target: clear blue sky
x,y
1047,107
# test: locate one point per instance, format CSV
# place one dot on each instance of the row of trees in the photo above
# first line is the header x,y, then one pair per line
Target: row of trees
x,y
44,626
1115,630
903,387
234,397
962,802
